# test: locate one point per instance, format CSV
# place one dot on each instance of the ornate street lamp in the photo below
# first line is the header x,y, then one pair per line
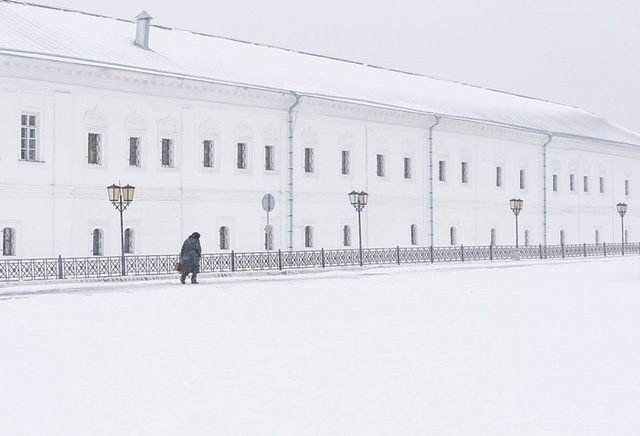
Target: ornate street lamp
x,y
516,207
121,197
622,209
359,201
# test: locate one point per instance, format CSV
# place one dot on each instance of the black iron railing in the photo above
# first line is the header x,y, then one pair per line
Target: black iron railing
x,y
110,266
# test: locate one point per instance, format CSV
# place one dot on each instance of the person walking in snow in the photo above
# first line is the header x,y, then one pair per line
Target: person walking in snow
x,y
190,257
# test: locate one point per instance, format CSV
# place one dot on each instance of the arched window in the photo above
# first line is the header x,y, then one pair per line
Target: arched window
x,y
8,241
129,240
224,238
346,236
561,237
526,238
97,245
308,236
414,234
493,237
597,237
268,237
453,236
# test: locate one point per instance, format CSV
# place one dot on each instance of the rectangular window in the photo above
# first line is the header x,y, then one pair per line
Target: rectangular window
x,y
8,241
269,158
407,168
522,179
241,156
572,182
28,137
308,236
346,162
380,165
499,176
207,153
309,164
167,153
585,183
602,185
442,170
555,183
134,152
94,141
464,173
626,187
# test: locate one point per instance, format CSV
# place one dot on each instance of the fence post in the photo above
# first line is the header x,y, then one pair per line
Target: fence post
x,y
562,247
462,252
279,259
233,261
491,252
60,266
604,247
431,253
322,256
584,247
540,251
398,254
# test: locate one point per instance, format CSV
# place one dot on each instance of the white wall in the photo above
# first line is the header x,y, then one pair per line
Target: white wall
x,y
55,203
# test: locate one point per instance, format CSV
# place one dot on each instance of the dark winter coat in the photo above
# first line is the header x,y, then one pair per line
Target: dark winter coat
x,y
190,254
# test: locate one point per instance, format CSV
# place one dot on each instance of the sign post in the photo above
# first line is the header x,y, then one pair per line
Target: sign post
x,y
268,203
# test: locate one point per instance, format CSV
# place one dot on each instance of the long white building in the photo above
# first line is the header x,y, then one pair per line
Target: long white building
x,y
205,126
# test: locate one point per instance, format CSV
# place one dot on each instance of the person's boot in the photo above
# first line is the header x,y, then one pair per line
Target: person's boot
x,y
193,279
182,279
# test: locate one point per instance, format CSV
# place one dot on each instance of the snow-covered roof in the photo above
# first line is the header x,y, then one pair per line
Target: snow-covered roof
x,y
74,37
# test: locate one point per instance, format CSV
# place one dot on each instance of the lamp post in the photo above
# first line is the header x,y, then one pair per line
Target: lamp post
x,y
622,209
516,207
121,197
359,201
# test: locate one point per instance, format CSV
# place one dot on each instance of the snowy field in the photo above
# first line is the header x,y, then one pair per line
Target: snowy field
x,y
512,348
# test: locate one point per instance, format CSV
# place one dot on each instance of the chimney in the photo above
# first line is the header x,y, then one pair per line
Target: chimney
x,y
142,30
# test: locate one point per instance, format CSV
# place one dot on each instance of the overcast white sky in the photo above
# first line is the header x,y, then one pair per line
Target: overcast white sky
x,y
582,53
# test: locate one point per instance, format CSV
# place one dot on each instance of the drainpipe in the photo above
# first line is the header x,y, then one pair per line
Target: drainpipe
x,y
431,231
290,169
544,189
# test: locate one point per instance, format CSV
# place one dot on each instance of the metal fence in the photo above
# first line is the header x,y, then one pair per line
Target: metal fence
x,y
101,266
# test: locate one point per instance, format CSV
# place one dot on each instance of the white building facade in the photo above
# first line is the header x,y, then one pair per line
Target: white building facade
x,y
202,147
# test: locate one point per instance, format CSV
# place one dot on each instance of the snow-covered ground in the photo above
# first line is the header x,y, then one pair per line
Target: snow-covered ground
x,y
511,348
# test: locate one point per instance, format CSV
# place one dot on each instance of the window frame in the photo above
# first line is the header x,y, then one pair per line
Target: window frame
x,y
407,168
309,160
9,239
224,238
168,153
346,235
97,242
208,153
442,170
138,148
129,240
95,150
345,162
308,236
270,158
33,134
380,165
